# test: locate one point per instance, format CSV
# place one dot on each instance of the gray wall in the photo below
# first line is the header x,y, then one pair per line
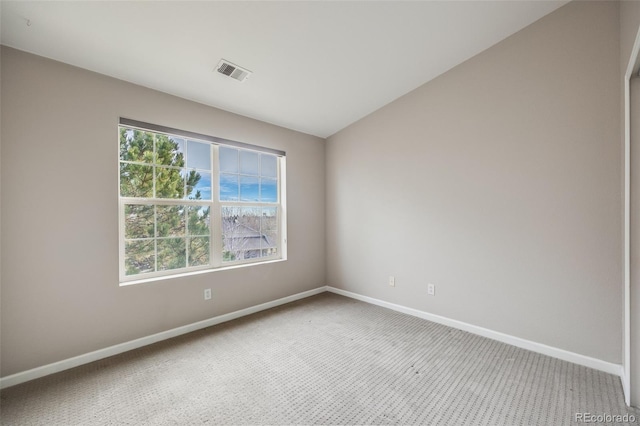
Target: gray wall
x,y
60,292
629,26
499,182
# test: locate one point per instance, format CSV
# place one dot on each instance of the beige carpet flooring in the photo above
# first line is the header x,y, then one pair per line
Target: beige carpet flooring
x,y
322,360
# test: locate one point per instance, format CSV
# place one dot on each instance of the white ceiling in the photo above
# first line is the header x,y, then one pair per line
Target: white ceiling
x,y
318,66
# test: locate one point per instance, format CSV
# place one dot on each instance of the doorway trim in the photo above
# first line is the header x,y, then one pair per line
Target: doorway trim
x,y
626,377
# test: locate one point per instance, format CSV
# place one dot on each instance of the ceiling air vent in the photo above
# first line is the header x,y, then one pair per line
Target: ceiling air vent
x,y
232,70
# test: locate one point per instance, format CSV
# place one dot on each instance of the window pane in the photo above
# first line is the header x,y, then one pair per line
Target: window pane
x,y
169,151
139,257
268,190
169,183
230,243
199,251
136,180
250,219
198,185
199,220
138,221
268,165
228,187
249,190
241,237
170,221
269,252
248,162
136,145
269,229
228,254
198,155
249,231
228,159
172,253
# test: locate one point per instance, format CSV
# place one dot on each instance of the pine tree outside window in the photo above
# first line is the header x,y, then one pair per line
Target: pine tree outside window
x,y
191,202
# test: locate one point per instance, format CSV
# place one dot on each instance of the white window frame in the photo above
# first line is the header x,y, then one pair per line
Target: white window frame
x,y
215,205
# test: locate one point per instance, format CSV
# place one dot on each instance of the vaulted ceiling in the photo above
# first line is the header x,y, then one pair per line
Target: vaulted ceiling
x,y
317,66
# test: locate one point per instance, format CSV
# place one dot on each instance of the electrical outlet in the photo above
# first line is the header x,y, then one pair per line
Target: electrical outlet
x,y
392,281
431,289
207,294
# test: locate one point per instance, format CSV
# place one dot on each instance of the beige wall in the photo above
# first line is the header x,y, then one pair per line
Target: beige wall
x,y
60,292
629,23
499,182
629,27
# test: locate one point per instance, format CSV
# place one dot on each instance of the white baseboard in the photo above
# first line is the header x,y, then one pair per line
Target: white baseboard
x,y
626,386
76,361
562,354
66,364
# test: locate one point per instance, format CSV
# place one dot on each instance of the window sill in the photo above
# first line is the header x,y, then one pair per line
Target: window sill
x,y
200,272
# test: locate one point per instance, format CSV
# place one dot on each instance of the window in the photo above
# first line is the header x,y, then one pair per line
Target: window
x,y
192,202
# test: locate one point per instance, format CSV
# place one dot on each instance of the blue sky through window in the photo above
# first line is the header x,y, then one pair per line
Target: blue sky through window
x,y
268,190
247,175
228,160
249,163
228,187
268,166
198,155
249,188
204,186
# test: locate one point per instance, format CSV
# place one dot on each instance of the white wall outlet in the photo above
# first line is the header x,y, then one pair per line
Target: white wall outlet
x,y
207,294
431,289
392,281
